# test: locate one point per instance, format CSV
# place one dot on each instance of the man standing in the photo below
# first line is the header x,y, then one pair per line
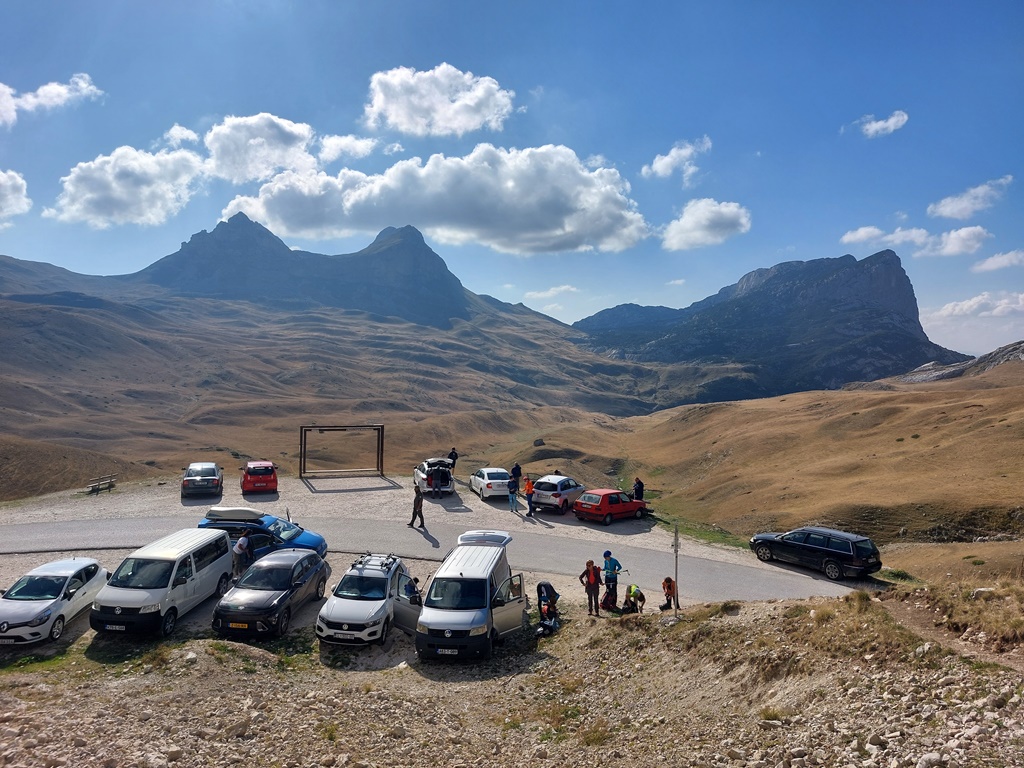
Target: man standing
x,y
528,493
517,471
591,581
454,456
436,478
242,554
612,567
638,490
513,498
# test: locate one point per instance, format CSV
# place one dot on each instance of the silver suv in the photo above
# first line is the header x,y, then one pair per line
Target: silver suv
x,y
375,594
556,492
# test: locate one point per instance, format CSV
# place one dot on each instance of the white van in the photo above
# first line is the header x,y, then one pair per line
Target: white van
x,y
163,581
472,600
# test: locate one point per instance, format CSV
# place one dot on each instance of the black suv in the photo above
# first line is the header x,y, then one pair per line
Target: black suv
x,y
836,553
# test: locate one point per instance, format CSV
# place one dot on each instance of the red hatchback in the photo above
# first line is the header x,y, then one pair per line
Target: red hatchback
x,y
606,504
259,477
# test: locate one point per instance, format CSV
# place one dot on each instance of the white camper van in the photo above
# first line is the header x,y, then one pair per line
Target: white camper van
x,y
472,600
163,581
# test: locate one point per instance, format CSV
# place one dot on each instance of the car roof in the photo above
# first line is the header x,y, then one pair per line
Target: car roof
x,y
603,491
259,463
492,469
202,464
62,567
552,478
833,532
438,460
173,545
372,562
283,557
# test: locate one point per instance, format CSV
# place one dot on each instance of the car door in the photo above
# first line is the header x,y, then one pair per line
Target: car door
x,y
508,607
183,586
302,583
77,594
406,604
814,551
263,543
789,546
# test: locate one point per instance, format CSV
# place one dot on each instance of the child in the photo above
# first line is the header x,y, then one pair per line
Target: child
x,y
668,586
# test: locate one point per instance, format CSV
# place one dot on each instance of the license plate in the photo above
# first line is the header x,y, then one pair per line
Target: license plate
x,y
238,625
259,485
448,651
6,641
114,627
344,635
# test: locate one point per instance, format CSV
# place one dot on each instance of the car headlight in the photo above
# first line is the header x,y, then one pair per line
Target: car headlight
x,y
96,605
42,618
481,630
423,629
375,622
153,608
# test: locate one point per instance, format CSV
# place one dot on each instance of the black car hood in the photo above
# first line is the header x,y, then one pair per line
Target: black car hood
x,y
241,599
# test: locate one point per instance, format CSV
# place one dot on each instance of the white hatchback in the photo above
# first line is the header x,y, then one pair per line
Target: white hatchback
x,y
41,603
489,481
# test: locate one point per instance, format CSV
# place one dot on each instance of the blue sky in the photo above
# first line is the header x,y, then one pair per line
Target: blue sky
x,y
570,156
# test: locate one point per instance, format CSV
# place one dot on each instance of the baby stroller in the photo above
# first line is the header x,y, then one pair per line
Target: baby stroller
x,y
547,600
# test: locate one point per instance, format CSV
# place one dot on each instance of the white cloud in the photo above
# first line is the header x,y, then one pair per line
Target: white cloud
x,y
550,293
552,308
441,102
14,199
874,128
535,200
178,135
393,149
256,147
862,234
968,203
680,281
914,235
956,242
1000,261
979,324
705,222
333,147
680,157
49,96
129,186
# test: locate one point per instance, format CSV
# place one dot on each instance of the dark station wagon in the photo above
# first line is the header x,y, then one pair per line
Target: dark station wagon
x,y
837,554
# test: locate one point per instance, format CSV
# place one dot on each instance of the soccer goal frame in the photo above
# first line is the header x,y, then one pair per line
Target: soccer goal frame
x,y
305,430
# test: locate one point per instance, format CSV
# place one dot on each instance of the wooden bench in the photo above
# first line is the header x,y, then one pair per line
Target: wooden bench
x,y
102,483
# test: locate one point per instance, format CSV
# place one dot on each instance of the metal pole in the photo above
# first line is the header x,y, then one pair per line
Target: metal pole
x,y
675,547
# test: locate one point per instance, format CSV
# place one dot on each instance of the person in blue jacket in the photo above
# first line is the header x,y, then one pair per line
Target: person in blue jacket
x,y
612,567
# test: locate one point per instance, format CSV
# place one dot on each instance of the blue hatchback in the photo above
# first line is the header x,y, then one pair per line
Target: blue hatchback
x,y
269,533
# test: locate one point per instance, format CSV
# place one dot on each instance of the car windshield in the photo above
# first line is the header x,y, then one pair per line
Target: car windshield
x,y
356,587
497,475
269,579
284,530
590,498
36,588
544,485
457,594
138,573
201,472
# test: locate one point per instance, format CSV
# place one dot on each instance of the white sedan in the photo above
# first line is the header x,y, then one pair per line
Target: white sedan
x,y
489,481
40,603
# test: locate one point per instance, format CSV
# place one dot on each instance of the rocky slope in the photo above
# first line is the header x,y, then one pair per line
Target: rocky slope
x,y
826,683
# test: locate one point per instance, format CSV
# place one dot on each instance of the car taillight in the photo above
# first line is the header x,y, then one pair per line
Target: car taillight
x,y
490,487
216,481
556,495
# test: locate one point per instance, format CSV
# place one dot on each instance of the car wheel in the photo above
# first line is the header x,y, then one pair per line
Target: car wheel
x,y
640,513
57,629
833,570
607,519
763,552
282,622
170,621
384,632
223,584
564,508
320,589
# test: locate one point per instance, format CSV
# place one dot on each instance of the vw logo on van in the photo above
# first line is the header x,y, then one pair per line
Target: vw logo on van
x,y
447,633
4,627
118,610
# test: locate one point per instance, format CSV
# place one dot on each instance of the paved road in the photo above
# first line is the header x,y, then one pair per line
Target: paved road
x,y
369,514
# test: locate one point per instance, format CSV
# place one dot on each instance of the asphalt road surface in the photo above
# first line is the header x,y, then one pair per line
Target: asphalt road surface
x,y
370,514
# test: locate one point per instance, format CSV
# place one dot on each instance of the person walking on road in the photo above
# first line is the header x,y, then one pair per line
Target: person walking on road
x,y
591,581
513,495
528,493
417,508
612,567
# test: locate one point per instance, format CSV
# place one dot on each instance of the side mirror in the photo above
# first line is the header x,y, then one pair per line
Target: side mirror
x,y
70,593
180,580
498,601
